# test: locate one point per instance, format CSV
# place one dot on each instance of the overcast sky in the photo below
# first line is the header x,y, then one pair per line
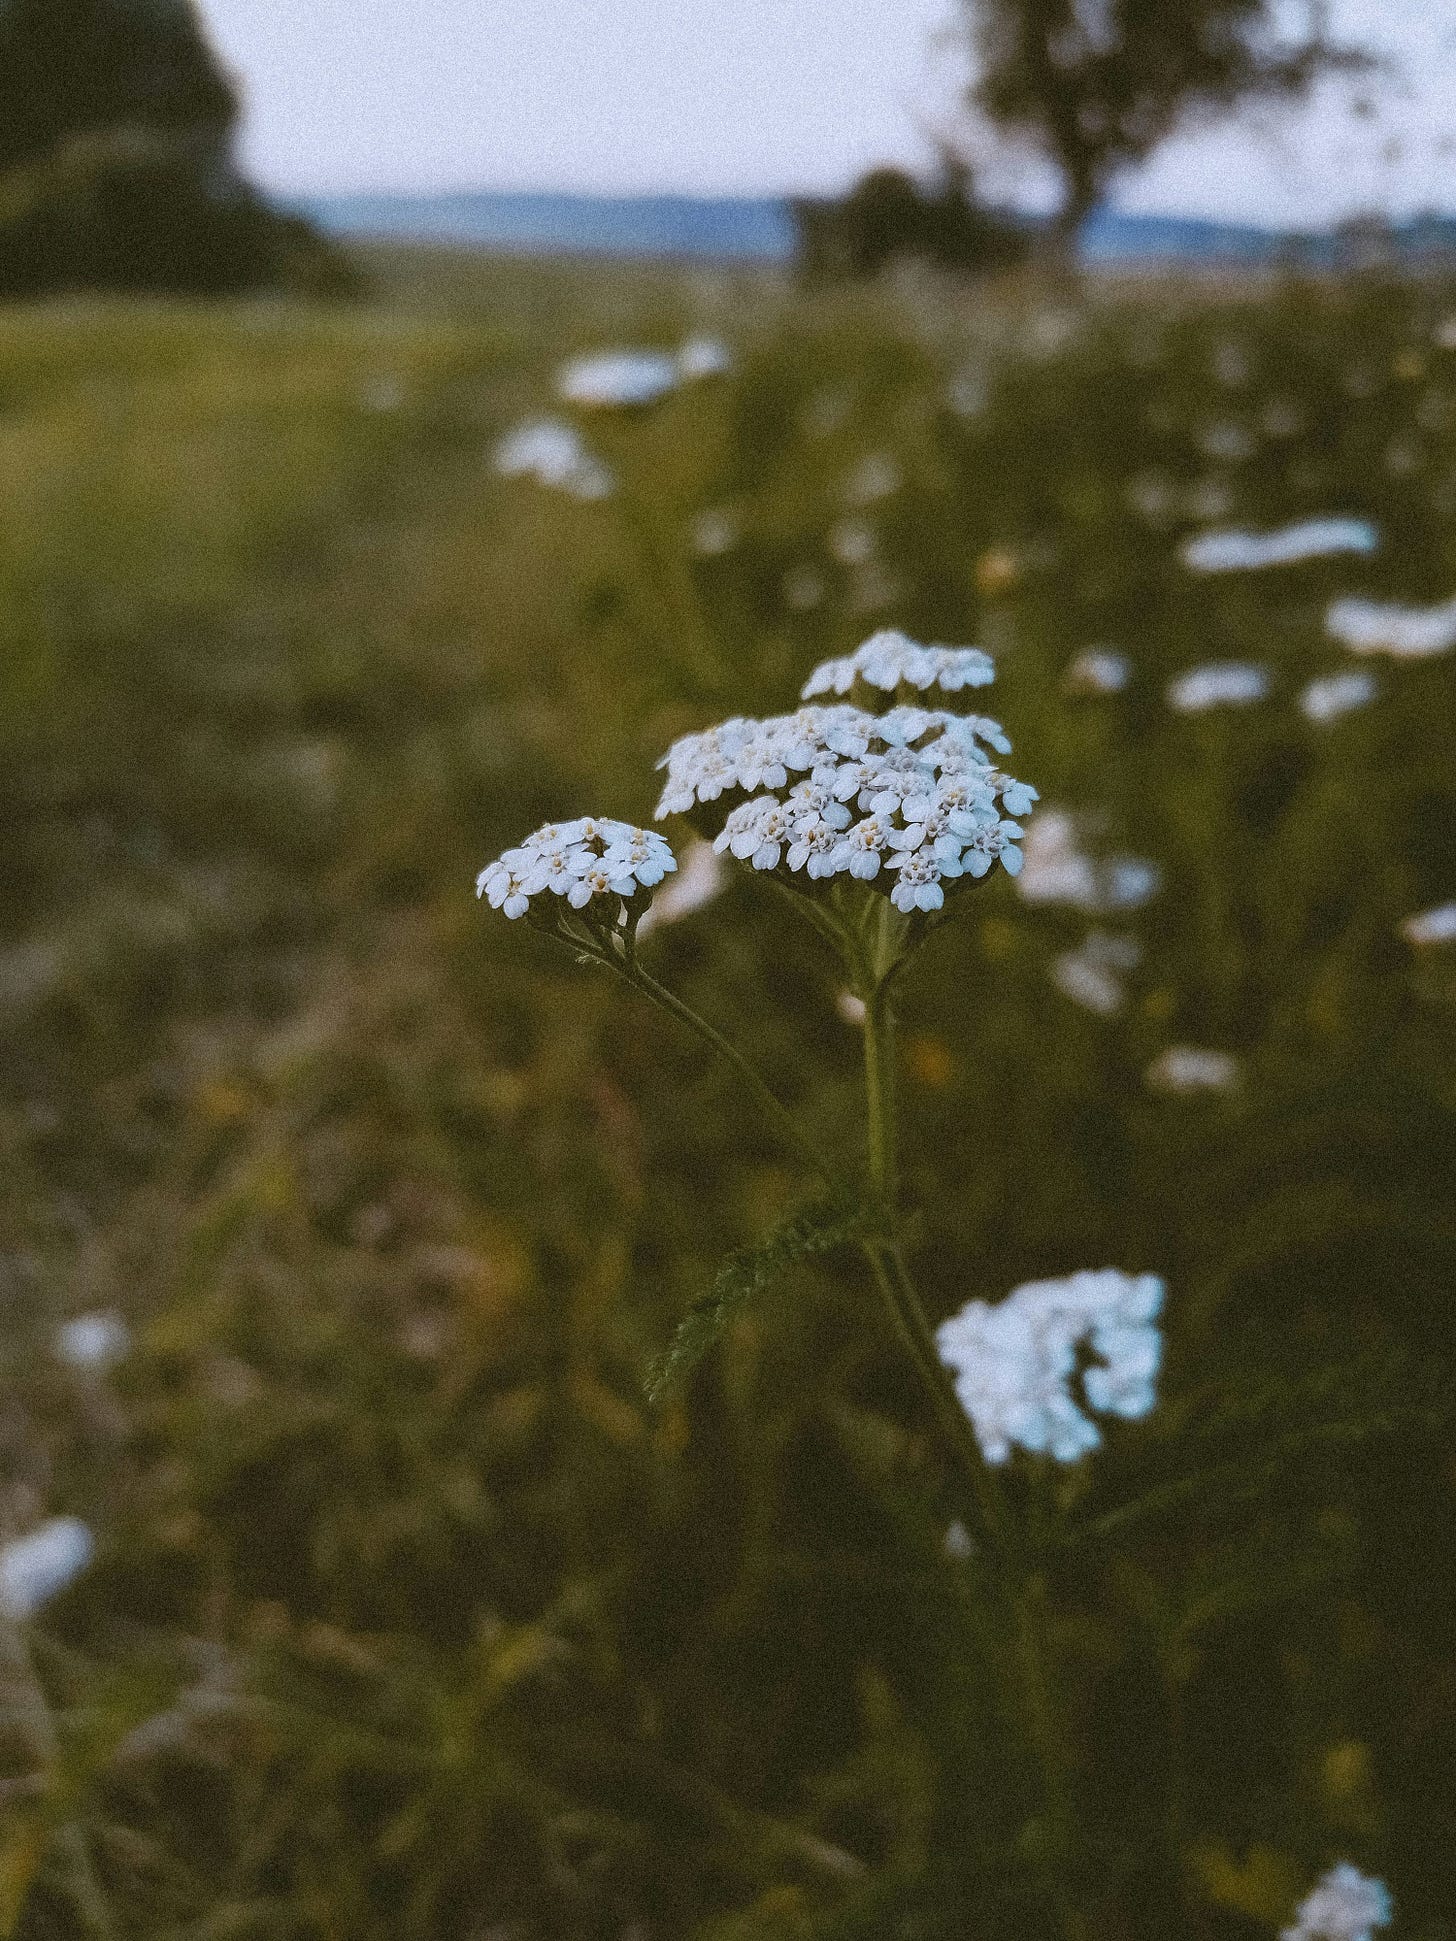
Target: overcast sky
x,y
750,97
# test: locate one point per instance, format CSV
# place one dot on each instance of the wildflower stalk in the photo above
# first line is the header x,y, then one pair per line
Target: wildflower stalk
x,y
1021,1589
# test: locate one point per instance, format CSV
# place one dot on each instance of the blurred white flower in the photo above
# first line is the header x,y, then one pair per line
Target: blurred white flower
x,y
92,1341
1091,975
1098,670
591,859
1184,1069
852,542
1226,441
1282,418
1219,684
715,531
1153,496
1231,365
554,454
803,588
1015,1364
958,1543
889,659
1428,927
1346,1906
1229,552
1444,334
876,476
968,393
618,379
850,1008
700,876
37,1567
1057,870
700,357
1383,627
1332,695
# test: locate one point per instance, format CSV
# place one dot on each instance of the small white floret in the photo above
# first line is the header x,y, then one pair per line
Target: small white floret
x,y
37,1567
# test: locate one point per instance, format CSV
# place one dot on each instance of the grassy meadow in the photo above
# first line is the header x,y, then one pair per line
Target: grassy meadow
x,y
410,1618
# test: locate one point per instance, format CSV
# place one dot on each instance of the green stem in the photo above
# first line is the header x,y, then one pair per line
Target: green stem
x,y
778,1115
1022,1591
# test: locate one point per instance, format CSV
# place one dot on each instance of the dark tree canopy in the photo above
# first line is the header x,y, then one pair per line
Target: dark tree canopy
x,y
889,215
1097,84
116,125
75,67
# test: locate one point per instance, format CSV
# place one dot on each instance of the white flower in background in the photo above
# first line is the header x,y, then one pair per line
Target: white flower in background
x,y
1219,684
1346,1906
1231,366
877,476
1206,499
700,357
1444,334
38,1567
1332,695
618,379
554,454
1232,552
93,1342
1429,927
591,860
1098,670
803,589
852,542
1091,975
1015,1364
715,532
1184,1069
850,1008
1153,496
1227,441
700,877
1382,627
968,393
1282,418
1057,870
889,659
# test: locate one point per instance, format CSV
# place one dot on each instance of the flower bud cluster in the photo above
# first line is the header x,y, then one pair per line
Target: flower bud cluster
x,y
1016,1364
585,861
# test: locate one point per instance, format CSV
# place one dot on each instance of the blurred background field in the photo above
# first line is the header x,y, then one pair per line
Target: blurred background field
x,y
409,1617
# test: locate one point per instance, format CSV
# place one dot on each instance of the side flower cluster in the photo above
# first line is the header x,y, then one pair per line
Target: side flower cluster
x,y
1346,1906
591,860
911,791
888,660
1016,1364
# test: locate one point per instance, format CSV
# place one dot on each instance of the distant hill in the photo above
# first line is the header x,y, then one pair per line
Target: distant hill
x,y
761,229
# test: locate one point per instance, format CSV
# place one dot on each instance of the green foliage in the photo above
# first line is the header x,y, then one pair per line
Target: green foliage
x,y
888,217
410,1620
746,1275
116,123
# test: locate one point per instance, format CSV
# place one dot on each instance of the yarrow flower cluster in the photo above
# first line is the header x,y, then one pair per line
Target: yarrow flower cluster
x,y
888,660
910,791
1016,1364
1345,1906
1218,684
37,1567
553,453
593,860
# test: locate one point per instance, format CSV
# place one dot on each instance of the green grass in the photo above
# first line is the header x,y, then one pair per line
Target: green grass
x,y
411,1619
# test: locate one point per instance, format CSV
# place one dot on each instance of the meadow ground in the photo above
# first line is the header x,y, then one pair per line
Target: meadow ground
x,y
410,1619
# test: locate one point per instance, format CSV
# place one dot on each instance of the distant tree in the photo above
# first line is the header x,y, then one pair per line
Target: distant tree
x,y
889,215
116,169
1096,85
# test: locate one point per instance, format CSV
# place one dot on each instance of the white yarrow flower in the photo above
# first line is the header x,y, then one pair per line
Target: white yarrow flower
x,y
554,454
592,861
1230,552
38,1567
1219,684
1383,627
889,660
92,1342
1332,695
1098,670
1429,927
1186,1069
701,357
1345,1906
1015,1364
618,379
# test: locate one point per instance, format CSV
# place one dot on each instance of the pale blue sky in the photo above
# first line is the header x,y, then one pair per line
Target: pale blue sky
x,y
746,96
